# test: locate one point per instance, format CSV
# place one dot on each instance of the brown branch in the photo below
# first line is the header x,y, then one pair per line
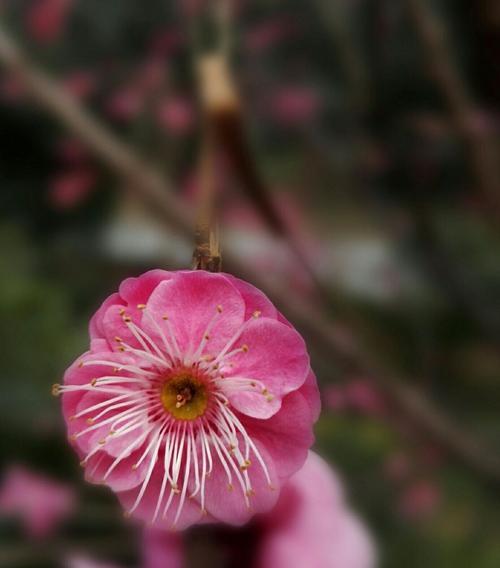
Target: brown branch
x,y
334,339
482,150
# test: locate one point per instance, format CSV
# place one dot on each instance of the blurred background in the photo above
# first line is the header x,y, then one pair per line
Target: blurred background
x,y
368,197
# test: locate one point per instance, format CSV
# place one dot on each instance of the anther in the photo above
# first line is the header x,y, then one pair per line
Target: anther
x,y
250,493
244,348
256,314
90,421
245,465
207,337
127,319
164,317
93,382
219,309
118,339
230,487
56,389
141,306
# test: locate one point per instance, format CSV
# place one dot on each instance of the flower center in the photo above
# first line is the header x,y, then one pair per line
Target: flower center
x,y
184,397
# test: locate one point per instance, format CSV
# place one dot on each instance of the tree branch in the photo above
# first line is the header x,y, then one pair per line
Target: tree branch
x,y
335,339
481,148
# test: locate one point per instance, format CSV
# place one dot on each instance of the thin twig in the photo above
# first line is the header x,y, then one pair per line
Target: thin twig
x,y
481,148
331,337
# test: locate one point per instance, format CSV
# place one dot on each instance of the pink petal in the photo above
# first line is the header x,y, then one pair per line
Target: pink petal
x,y
277,357
190,301
309,390
229,505
96,328
254,299
138,290
123,477
287,435
191,510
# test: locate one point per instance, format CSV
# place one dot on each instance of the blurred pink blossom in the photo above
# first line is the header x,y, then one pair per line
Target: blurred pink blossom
x,y
312,525
40,502
361,395
420,500
12,89
46,19
295,105
267,34
176,115
335,398
126,104
162,549
81,84
71,151
397,467
68,189
166,42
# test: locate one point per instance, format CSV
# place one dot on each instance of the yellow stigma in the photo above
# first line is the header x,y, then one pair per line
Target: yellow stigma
x,y
184,397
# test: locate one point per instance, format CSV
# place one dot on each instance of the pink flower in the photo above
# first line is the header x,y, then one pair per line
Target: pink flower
x,y
311,526
420,500
269,33
295,105
335,398
362,396
162,549
40,502
126,103
80,84
70,188
196,400
176,115
46,19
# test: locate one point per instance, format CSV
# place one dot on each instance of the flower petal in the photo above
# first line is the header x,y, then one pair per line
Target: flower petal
x,y
191,302
227,504
276,356
287,435
255,300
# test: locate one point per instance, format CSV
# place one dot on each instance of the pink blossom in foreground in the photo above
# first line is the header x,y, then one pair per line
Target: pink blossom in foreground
x,y
163,549
195,402
311,526
40,502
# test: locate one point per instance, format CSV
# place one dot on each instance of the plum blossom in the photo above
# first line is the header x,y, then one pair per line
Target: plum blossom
x,y
195,402
41,503
311,526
